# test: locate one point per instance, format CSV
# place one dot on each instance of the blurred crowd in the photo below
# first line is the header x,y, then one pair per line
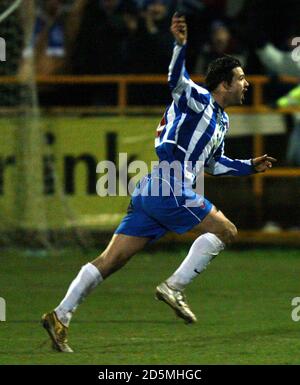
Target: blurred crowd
x,y
133,37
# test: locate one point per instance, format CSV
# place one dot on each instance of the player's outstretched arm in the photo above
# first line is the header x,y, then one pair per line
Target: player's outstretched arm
x,y
178,78
263,163
222,165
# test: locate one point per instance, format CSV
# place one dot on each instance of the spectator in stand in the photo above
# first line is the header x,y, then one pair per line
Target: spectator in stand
x,y
48,50
293,150
258,22
220,43
282,62
149,50
279,61
151,46
104,27
48,45
103,32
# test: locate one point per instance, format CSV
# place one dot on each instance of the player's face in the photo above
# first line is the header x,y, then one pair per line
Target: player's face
x,y
238,87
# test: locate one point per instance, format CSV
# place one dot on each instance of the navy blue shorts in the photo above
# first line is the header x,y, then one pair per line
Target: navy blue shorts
x,y
152,216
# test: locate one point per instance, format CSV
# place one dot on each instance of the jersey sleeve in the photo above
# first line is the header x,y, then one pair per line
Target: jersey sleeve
x,y
186,94
222,165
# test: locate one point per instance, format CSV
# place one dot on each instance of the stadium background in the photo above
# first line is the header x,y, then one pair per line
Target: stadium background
x,y
61,114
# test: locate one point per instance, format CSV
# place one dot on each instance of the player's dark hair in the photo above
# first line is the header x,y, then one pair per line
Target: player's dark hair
x,y
220,70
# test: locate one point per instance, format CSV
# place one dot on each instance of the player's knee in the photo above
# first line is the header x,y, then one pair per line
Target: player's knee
x,y
229,233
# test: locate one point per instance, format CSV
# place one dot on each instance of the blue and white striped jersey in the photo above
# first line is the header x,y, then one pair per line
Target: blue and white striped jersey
x,y
194,126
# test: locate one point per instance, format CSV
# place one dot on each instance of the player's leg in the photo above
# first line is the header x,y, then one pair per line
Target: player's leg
x,y
216,231
120,249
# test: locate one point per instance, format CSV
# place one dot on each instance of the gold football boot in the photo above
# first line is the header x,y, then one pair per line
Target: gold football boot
x,y
57,332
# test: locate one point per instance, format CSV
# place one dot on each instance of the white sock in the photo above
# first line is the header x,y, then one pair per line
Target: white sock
x,y
202,251
87,279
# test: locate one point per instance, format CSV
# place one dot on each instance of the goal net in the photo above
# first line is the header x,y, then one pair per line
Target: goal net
x,y
27,170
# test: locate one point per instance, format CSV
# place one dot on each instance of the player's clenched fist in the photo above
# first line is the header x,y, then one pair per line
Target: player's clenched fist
x,y
262,163
179,29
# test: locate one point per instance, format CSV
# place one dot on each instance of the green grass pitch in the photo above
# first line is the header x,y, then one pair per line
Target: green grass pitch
x,y
242,301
